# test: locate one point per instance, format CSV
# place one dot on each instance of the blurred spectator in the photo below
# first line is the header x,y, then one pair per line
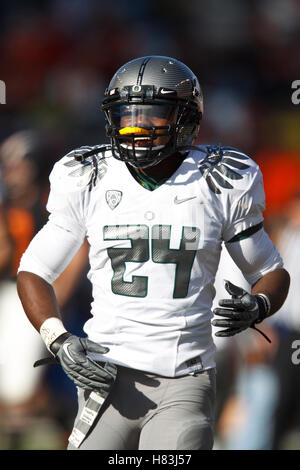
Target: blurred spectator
x,y
23,393
262,408
247,418
20,345
247,386
25,159
6,244
287,323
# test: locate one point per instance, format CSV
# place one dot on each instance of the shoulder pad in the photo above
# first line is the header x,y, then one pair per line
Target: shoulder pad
x,y
87,165
223,165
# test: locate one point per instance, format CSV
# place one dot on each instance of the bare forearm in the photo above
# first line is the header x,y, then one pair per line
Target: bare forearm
x,y
37,297
275,286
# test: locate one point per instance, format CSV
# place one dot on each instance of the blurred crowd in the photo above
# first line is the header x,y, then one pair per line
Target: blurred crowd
x,y
57,57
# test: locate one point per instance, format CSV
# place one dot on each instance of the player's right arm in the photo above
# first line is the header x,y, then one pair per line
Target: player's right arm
x,y
47,256
52,248
41,307
38,299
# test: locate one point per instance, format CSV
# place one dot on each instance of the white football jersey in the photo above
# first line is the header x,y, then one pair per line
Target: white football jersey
x,y
154,254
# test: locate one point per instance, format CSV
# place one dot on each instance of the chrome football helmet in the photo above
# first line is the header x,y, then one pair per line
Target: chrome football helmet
x,y
153,107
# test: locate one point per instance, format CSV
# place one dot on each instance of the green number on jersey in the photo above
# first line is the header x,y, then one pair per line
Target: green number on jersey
x,y
161,252
183,257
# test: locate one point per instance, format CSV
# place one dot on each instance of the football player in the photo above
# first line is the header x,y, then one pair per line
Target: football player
x,y
155,211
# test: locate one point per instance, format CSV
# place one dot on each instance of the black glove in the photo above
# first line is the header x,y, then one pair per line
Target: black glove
x,y
242,311
71,352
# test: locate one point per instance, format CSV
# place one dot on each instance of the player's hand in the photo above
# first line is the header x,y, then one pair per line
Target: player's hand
x,y
242,311
71,352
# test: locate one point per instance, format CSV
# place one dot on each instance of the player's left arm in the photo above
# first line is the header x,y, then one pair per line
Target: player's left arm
x,y
255,255
262,266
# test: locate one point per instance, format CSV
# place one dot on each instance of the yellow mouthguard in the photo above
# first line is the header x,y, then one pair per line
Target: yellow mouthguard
x,y
133,130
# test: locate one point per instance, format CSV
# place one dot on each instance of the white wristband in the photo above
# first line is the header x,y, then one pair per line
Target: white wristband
x,y
51,329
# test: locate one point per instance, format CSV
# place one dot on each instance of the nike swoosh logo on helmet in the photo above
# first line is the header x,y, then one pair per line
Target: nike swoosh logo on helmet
x,y
179,201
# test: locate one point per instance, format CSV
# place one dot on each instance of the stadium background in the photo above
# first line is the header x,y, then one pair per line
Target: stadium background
x,y
57,57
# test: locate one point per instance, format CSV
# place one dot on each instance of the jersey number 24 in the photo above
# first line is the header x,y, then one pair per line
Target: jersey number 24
x,y
159,249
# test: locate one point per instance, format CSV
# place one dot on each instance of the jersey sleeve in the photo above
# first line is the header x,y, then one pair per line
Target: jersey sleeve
x,y
66,199
255,256
237,184
57,242
243,205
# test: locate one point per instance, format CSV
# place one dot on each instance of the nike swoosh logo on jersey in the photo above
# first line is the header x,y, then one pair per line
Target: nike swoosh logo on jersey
x,y
163,92
179,201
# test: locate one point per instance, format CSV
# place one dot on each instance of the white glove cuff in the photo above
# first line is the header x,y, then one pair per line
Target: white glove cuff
x,y
51,329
